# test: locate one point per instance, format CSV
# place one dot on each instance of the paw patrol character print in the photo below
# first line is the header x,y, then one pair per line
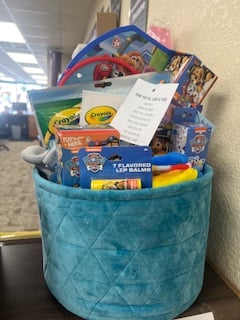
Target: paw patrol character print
x,y
115,185
106,70
110,141
94,162
116,42
197,85
197,161
115,157
73,166
179,138
192,95
198,143
160,145
199,75
134,59
102,71
161,141
176,64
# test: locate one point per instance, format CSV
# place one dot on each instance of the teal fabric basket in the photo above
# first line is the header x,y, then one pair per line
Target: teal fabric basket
x,y
132,254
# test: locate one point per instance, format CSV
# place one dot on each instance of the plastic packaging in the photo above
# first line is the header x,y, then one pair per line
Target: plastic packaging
x,y
161,32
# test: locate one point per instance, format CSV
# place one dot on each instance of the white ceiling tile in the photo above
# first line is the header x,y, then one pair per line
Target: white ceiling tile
x,y
45,24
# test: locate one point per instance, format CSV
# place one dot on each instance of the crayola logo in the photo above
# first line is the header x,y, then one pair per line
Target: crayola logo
x,y
67,116
100,115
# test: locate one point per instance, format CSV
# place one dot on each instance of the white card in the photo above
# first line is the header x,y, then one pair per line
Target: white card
x,y
141,112
204,316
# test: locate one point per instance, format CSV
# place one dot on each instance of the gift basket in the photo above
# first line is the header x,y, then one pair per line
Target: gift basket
x,y
123,187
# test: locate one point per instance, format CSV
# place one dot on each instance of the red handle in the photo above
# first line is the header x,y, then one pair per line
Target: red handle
x,y
69,72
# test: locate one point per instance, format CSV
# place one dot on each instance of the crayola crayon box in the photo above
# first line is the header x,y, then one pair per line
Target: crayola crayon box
x,y
54,106
70,139
120,162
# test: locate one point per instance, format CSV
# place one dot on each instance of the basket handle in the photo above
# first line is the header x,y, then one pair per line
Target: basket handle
x,y
115,60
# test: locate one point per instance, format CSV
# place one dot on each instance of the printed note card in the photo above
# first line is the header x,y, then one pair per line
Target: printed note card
x,y
141,112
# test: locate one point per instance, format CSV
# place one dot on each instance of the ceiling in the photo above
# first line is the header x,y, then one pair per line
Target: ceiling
x,y
46,25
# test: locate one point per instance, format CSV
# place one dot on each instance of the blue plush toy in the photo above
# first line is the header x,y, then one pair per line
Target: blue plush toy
x,y
169,159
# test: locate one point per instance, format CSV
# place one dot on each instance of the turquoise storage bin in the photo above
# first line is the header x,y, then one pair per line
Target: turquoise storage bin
x,y
132,254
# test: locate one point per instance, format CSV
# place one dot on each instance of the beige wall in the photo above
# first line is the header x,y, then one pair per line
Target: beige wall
x,y
210,29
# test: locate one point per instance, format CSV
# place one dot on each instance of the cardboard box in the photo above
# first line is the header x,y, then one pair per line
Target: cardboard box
x,y
70,139
194,78
192,139
106,21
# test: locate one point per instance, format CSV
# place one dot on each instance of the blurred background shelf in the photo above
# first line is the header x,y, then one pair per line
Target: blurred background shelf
x,y
18,126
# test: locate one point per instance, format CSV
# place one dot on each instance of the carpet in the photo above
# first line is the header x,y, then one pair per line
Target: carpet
x,y
18,208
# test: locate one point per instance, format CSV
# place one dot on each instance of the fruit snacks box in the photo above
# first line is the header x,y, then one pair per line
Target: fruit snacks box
x,y
191,137
70,139
123,162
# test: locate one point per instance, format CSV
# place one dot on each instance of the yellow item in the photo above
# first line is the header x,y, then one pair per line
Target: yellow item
x,y
116,184
174,177
19,235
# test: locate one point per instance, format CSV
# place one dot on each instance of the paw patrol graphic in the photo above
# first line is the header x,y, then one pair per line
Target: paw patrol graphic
x,y
70,139
177,64
195,83
125,163
192,139
72,166
134,59
191,95
116,42
144,54
161,142
102,71
197,161
198,143
113,184
94,162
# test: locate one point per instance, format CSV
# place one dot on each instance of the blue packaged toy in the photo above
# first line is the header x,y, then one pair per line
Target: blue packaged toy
x,y
123,162
70,139
119,52
128,50
190,136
